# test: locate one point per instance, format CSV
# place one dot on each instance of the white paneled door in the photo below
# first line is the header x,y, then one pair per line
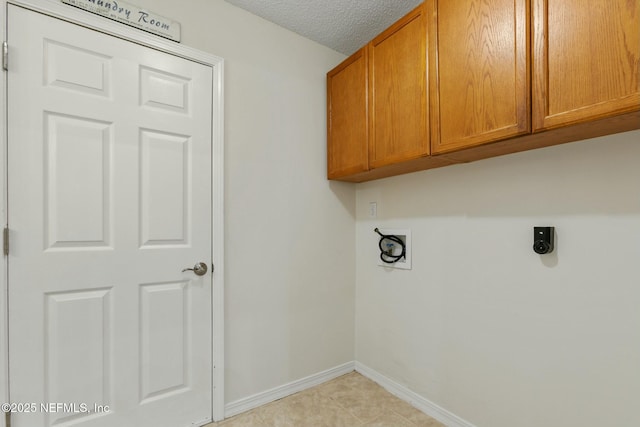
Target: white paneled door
x,y
109,199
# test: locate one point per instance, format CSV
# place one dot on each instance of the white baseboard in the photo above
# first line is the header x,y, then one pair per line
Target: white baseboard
x,y
421,403
259,399
398,390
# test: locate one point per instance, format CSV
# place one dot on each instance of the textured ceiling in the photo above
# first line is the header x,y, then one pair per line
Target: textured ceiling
x,y
343,25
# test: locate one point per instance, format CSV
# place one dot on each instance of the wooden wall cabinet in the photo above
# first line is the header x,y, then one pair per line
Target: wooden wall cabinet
x,y
586,60
347,117
398,92
503,76
377,106
479,72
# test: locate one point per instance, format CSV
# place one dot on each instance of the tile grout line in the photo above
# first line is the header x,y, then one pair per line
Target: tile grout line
x,y
404,418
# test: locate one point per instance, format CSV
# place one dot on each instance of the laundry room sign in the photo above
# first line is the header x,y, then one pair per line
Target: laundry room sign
x,y
130,15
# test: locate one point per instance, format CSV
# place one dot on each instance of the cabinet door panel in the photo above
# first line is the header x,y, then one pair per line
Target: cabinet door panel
x,y
479,77
397,70
347,117
586,60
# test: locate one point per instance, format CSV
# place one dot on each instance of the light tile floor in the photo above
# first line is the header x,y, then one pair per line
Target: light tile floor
x,y
348,401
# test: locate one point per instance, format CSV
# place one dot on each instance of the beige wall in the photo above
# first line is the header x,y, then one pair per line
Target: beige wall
x,y
290,234
482,325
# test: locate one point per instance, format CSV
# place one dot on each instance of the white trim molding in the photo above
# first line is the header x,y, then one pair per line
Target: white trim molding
x,y
425,405
259,399
57,9
4,309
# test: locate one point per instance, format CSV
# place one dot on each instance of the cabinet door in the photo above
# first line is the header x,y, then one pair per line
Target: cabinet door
x,y
347,117
586,60
397,71
479,78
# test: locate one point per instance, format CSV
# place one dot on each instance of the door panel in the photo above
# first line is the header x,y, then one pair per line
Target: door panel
x,y
66,140
164,336
78,372
76,69
164,187
109,199
165,91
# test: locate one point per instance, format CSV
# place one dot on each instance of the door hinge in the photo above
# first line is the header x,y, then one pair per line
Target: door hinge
x,y
5,241
5,56
7,419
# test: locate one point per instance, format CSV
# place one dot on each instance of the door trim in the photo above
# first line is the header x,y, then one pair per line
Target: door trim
x,y
67,13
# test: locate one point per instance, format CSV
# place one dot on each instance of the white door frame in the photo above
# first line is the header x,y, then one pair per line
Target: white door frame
x,y
59,10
